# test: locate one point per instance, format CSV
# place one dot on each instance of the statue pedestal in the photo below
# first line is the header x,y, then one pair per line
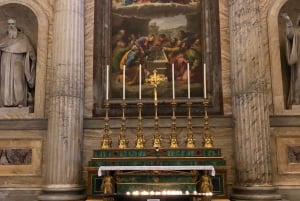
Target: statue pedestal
x,y
295,107
15,112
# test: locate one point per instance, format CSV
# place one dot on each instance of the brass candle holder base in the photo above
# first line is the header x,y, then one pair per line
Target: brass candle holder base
x,y
140,142
157,141
173,142
123,142
207,141
106,142
190,141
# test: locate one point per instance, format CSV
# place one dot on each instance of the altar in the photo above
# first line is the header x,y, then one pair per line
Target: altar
x,y
148,173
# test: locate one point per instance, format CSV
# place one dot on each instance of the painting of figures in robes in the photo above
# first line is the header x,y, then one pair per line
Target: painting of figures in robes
x,y
150,36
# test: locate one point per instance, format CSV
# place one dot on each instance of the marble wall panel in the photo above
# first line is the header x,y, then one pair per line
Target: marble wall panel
x,y
20,157
89,98
288,154
286,172
225,56
19,175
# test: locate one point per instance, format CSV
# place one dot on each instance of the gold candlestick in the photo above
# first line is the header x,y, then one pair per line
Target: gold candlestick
x,y
154,80
189,141
207,138
140,140
156,136
106,140
123,141
173,137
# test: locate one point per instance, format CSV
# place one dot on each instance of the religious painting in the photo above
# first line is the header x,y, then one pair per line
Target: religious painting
x,y
150,49
150,36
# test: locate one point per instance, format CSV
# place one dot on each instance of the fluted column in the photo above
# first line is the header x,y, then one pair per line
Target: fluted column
x,y
65,123
250,106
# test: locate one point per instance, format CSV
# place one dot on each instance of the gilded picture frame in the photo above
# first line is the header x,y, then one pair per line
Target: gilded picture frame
x,y
152,28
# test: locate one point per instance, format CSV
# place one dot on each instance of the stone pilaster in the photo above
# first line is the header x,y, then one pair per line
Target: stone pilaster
x,y
250,106
65,123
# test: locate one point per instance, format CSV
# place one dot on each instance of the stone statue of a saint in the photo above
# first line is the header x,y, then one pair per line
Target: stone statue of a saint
x,y
293,58
17,74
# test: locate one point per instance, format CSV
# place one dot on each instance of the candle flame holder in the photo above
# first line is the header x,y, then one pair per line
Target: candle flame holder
x,y
207,138
106,140
189,141
173,137
123,140
140,140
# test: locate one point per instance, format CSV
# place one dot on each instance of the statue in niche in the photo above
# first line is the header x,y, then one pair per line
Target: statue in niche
x,y
17,66
293,58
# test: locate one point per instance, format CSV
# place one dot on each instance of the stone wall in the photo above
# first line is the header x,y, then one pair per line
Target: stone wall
x,y
17,129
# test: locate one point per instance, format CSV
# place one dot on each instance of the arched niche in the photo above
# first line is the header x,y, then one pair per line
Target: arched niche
x,y
279,66
33,20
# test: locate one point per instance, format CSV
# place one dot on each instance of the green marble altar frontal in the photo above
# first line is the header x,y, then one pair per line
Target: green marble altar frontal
x,y
129,181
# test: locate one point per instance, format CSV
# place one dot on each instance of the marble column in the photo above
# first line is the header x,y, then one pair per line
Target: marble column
x,y
63,170
250,106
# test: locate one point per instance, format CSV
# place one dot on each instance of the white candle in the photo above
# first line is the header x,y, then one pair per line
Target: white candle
x,y
173,82
140,82
124,82
204,80
107,80
189,87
